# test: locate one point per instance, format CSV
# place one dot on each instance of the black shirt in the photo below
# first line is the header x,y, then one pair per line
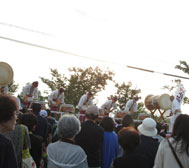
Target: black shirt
x,y
91,140
7,153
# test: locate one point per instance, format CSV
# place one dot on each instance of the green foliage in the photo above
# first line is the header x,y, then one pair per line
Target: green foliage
x,y
80,81
183,66
13,87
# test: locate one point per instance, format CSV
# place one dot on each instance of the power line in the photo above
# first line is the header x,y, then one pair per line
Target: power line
x,y
26,29
77,55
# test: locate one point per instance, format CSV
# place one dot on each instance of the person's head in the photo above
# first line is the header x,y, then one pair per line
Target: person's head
x,y
89,94
92,112
114,99
172,98
136,98
61,90
68,126
128,139
181,131
148,127
8,108
36,108
108,124
35,84
127,121
29,120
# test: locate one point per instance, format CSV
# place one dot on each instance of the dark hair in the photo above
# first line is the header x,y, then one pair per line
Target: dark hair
x,y
29,120
181,132
36,108
128,139
108,124
8,106
127,121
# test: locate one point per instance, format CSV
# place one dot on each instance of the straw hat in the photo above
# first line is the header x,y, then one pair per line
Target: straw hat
x,y
6,74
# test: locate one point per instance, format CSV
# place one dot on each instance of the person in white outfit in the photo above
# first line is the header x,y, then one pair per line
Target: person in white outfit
x,y
29,93
56,98
175,110
109,106
84,102
131,106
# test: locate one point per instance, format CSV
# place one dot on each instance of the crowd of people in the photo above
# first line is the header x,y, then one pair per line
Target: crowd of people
x,y
84,141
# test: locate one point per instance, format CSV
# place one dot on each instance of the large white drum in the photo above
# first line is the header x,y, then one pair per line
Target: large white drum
x,y
6,74
158,102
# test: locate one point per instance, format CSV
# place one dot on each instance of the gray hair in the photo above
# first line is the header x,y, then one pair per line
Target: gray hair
x,y
68,126
92,112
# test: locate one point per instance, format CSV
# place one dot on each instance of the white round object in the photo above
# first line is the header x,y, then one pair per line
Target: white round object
x,y
6,74
165,102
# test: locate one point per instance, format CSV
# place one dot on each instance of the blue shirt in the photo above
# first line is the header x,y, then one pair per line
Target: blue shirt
x,y
110,148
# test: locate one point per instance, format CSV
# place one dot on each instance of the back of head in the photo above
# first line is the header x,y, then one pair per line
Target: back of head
x,y
36,108
127,121
68,126
8,107
128,139
181,131
29,120
108,124
92,112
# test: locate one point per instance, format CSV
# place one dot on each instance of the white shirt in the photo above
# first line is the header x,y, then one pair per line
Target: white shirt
x,y
5,90
83,103
108,105
26,91
130,106
175,105
57,96
165,158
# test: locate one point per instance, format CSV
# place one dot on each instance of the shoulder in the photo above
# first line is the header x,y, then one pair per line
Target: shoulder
x,y
5,142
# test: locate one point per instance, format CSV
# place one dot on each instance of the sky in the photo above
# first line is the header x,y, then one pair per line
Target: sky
x,y
106,33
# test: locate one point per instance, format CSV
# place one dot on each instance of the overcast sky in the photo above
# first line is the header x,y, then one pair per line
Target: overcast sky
x,y
147,34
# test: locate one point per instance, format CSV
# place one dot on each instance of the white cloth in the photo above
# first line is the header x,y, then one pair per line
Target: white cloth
x,y
130,106
5,90
26,91
83,103
57,96
175,106
165,158
108,105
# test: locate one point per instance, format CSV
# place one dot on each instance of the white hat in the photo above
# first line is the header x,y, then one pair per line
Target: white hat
x,y
43,113
148,127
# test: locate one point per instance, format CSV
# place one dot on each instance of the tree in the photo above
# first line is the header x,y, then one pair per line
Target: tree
x,y
126,92
80,81
183,66
13,87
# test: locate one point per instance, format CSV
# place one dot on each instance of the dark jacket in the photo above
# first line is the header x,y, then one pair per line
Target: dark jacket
x,y
132,160
41,128
148,148
91,139
7,153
